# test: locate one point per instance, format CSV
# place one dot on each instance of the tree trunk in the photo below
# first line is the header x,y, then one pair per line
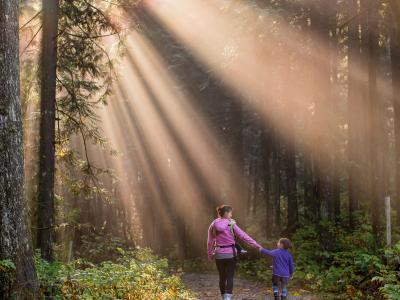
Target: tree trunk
x,y
335,49
354,113
15,240
266,150
395,59
322,124
291,181
276,170
375,123
45,211
241,195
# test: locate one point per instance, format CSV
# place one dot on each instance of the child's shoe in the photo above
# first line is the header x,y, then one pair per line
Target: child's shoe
x,y
276,297
228,296
283,298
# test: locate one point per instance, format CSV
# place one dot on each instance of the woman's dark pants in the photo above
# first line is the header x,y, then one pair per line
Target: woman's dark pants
x,y
226,269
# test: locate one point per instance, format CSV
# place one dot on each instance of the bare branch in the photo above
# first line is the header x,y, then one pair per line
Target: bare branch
x,y
30,20
34,36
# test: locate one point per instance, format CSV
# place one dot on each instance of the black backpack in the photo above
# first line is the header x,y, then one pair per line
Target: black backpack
x,y
239,248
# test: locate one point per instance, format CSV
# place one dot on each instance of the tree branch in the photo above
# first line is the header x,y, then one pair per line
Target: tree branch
x,y
33,18
34,36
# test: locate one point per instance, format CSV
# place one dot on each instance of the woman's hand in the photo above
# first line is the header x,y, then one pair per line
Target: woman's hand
x,y
211,258
260,248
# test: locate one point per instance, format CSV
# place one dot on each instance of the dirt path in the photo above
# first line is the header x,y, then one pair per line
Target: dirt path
x,y
206,287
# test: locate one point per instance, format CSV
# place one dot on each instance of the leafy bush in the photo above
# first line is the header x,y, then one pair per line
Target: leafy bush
x,y
338,262
260,269
193,265
389,274
7,276
101,246
135,275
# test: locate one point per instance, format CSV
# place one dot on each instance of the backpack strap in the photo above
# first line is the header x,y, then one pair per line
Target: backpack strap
x,y
213,231
231,225
235,247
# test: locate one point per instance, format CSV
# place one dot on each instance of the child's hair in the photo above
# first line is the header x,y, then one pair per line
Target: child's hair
x,y
286,243
222,209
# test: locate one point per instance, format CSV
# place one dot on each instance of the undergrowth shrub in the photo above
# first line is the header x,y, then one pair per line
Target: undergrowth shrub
x,y
134,275
339,261
100,246
7,277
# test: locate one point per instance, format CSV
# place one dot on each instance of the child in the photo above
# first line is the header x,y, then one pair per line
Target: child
x,y
282,267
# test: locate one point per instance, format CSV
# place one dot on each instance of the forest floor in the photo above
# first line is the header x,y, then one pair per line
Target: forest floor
x,y
205,285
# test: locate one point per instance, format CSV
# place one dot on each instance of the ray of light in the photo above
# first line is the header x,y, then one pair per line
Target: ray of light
x,y
197,141
177,150
257,70
181,147
121,128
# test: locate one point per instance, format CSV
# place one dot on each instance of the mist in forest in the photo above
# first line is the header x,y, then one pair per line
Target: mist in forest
x,y
207,103
140,117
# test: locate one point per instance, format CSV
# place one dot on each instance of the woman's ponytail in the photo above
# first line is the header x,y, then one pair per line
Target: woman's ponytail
x,y
222,209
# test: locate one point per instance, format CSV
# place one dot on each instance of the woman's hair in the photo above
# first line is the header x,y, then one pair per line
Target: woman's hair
x,y
286,243
222,209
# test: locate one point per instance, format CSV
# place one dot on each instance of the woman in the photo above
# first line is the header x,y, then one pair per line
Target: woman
x,y
221,246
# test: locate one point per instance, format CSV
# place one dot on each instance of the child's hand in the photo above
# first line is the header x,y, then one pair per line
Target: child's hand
x,y
260,248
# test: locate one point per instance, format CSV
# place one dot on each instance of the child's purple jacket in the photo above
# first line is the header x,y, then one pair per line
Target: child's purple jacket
x,y
282,264
224,237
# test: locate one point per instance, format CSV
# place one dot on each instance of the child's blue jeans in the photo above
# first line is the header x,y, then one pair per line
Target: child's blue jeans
x,y
279,283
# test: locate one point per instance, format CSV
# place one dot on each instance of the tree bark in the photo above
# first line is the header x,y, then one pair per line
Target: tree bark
x,y
395,60
335,46
241,195
276,170
354,114
375,123
15,240
267,147
291,180
45,210
322,123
